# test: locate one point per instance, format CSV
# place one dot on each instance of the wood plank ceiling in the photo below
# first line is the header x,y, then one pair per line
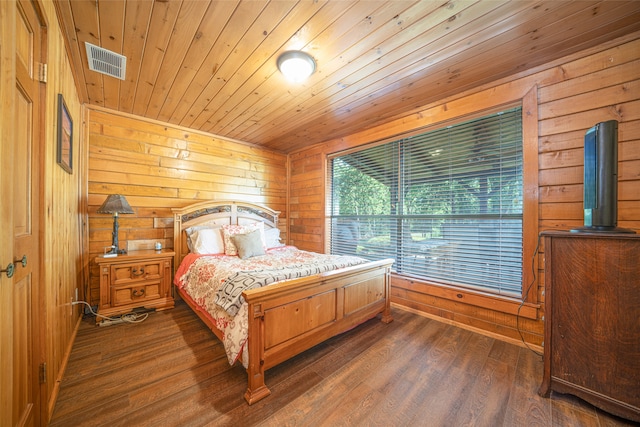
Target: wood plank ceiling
x,y
211,65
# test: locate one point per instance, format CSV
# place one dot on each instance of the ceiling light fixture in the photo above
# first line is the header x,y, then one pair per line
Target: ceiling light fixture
x,y
296,65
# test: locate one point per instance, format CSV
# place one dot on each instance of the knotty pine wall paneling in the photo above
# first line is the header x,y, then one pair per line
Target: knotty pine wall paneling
x,y
573,94
307,181
158,166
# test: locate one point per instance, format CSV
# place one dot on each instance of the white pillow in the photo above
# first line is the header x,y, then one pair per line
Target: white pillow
x,y
191,231
272,238
207,241
232,230
212,223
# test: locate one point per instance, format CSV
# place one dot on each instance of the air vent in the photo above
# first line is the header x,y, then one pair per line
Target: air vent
x,y
106,62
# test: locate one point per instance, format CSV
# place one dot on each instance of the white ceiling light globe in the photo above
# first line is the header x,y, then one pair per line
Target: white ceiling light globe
x,y
296,65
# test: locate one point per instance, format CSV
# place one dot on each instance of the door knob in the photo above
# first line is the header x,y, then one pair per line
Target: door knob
x,y
11,268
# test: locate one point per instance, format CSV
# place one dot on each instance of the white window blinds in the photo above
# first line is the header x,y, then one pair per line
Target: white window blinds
x,y
446,204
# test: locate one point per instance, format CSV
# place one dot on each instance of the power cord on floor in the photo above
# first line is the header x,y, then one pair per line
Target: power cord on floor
x,y
125,318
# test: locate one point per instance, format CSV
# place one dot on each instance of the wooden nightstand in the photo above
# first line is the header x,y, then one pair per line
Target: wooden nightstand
x,y
137,279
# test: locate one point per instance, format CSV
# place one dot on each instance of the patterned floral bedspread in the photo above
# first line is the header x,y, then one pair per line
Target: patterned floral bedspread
x,y
216,283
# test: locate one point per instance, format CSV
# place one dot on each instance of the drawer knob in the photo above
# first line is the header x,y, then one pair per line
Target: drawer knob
x,y
138,292
137,272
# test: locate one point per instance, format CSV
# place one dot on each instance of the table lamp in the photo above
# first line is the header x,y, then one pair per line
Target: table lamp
x,y
115,204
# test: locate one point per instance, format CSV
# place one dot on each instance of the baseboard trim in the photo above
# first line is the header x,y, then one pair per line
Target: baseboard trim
x,y
63,367
519,343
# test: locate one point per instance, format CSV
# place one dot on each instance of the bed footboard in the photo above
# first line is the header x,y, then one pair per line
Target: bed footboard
x,y
288,318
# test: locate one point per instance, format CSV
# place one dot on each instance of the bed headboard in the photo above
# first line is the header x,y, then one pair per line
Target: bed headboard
x,y
216,213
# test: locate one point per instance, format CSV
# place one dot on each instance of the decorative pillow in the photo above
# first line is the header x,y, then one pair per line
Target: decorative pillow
x,y
232,230
272,238
207,241
249,244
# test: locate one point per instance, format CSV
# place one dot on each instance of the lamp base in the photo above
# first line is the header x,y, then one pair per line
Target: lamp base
x,y
111,251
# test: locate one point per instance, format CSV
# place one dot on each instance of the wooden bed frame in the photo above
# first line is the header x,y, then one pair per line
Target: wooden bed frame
x,y
290,317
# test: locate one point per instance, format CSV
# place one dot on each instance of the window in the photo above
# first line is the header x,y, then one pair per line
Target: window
x,y
446,204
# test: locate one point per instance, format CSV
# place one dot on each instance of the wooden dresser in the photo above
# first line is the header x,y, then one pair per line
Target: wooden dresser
x,y
592,319
134,280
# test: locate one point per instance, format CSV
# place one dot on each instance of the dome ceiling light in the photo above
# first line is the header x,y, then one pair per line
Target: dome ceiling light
x,y
296,65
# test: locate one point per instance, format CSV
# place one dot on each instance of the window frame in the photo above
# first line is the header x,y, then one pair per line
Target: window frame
x,y
528,304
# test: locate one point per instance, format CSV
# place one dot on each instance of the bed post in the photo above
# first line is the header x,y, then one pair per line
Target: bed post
x,y
386,314
256,388
177,241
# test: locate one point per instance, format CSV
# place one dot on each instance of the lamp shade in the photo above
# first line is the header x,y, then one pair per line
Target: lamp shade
x,y
115,204
296,65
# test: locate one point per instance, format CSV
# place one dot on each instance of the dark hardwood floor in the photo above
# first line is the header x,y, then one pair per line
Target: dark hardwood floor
x,y
171,370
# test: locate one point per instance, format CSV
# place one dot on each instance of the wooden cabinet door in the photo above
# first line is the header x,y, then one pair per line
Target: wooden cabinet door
x,y
592,339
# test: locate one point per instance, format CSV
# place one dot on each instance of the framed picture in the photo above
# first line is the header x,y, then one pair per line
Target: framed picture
x,y
65,136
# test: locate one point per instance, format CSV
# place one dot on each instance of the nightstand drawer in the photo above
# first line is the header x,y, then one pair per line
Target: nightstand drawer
x,y
135,293
126,273
139,279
